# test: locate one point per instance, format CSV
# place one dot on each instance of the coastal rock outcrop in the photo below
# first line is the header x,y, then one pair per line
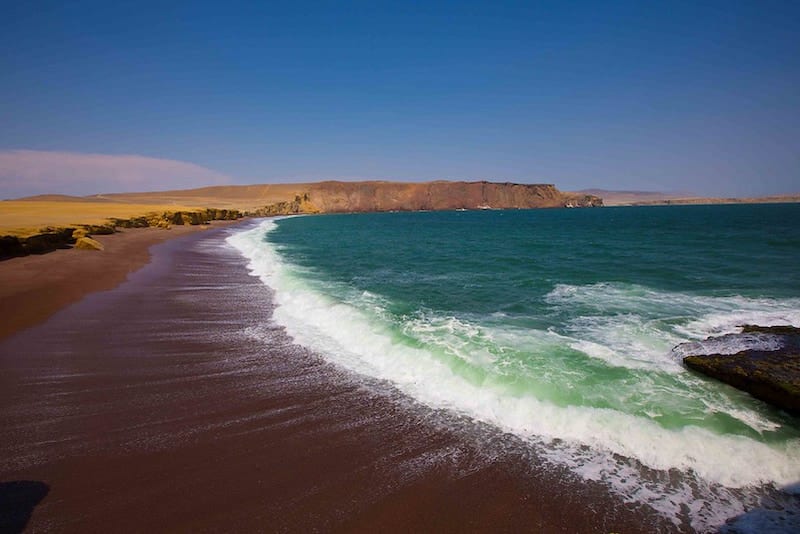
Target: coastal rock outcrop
x,y
46,240
193,217
99,229
336,197
87,243
300,204
49,239
763,361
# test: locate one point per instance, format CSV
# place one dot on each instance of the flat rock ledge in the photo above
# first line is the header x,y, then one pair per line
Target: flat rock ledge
x,y
761,360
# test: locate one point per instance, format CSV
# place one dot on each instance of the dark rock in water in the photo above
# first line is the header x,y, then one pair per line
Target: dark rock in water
x,y
767,364
785,330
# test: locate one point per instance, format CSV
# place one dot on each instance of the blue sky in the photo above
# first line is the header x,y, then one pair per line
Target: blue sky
x,y
677,96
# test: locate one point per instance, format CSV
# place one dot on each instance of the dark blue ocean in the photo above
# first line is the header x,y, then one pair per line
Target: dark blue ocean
x,y
558,326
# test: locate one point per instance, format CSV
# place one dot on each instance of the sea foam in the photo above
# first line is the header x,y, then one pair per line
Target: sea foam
x,y
448,362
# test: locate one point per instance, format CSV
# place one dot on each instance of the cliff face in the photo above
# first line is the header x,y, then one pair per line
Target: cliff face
x,y
300,204
339,197
346,197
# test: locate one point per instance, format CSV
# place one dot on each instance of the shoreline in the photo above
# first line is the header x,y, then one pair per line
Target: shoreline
x,y
38,285
175,402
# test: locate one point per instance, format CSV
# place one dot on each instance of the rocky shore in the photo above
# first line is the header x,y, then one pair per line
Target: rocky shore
x,y
761,360
52,238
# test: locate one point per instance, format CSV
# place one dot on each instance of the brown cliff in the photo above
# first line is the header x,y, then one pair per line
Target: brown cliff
x,y
339,197
350,197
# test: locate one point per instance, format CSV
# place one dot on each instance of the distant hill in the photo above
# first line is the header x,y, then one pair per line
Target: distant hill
x,y
655,198
245,197
45,214
339,197
57,198
628,198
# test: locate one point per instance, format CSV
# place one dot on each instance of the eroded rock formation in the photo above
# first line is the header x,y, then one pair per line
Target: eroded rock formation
x,y
300,204
351,197
389,196
767,366
49,239
46,240
87,243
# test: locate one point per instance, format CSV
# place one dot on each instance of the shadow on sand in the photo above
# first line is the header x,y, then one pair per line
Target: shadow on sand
x,y
17,501
777,515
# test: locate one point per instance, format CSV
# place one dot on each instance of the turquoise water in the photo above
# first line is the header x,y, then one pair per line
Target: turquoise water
x,y
558,326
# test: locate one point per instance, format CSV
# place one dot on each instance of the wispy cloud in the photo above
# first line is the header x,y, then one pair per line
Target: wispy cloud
x,y
34,172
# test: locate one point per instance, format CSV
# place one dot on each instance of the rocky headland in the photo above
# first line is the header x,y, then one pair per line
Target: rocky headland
x,y
761,360
369,196
345,197
260,201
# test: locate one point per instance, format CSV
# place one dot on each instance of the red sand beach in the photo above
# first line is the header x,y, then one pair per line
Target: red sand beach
x,y
172,403
34,287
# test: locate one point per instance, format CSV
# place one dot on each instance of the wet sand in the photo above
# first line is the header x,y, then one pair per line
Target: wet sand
x,y
172,403
34,287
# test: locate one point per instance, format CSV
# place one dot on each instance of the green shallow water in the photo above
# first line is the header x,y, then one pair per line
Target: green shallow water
x,y
558,326
472,287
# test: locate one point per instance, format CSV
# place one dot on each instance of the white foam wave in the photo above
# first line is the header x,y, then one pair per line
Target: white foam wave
x,y
637,327
741,311
354,337
694,316
729,344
